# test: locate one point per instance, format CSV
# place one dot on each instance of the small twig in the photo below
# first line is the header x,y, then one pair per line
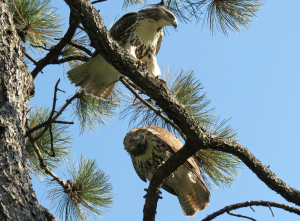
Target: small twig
x,y
98,1
40,46
46,123
80,27
54,100
252,208
238,215
80,47
46,151
70,58
51,139
61,90
30,58
271,210
155,110
43,163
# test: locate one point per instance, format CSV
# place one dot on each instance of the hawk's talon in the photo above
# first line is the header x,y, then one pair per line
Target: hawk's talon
x,y
162,80
143,64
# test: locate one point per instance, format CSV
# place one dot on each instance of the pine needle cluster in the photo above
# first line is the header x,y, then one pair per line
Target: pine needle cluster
x,y
89,192
220,15
39,18
93,112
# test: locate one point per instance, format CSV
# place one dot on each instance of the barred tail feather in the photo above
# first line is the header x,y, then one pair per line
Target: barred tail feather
x,y
193,199
187,204
190,190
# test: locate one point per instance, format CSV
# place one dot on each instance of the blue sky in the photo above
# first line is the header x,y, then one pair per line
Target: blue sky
x,y
251,77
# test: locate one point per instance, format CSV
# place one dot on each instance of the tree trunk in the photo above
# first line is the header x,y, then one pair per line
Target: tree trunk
x,y
17,198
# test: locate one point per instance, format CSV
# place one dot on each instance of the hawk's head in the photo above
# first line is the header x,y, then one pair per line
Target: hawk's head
x,y
161,15
135,144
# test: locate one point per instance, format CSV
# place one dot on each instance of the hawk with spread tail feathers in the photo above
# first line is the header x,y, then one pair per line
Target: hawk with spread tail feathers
x,y
151,146
141,34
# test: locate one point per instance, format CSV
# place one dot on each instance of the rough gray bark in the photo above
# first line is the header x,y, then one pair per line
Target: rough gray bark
x,y
197,138
17,198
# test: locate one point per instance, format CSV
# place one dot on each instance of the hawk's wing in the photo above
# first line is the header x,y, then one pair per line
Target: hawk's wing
x,y
175,146
123,24
159,42
139,173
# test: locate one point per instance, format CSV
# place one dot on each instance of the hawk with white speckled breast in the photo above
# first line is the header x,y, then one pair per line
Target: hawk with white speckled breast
x,y
151,146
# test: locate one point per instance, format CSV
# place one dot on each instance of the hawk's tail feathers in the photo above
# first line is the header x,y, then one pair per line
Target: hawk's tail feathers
x,y
187,204
100,91
79,75
193,197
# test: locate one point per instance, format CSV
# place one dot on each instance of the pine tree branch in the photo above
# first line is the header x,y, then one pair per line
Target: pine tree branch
x,y
80,47
155,110
197,138
252,203
57,49
43,163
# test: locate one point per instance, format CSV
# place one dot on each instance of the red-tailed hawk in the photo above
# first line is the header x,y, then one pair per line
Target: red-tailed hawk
x,y
141,34
149,147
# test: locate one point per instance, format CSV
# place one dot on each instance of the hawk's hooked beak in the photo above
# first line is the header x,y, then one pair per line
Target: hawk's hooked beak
x,y
175,24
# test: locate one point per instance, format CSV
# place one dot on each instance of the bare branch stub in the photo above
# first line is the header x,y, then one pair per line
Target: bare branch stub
x,y
271,210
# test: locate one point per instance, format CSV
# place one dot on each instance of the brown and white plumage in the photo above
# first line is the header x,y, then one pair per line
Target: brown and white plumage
x,y
151,146
141,34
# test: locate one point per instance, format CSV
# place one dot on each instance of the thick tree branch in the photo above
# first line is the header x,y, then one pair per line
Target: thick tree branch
x,y
56,50
252,203
197,138
48,214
